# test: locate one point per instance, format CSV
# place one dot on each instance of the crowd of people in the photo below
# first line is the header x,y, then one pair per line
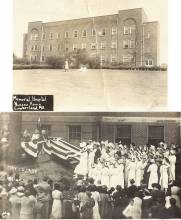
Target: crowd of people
x,y
98,190
116,164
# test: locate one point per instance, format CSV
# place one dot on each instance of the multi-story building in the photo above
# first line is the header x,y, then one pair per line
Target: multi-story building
x,y
138,127
126,37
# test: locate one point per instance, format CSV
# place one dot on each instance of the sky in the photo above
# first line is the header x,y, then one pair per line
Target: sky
x,y
25,11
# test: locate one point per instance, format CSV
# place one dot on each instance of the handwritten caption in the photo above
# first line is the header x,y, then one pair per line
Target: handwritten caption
x,y
32,103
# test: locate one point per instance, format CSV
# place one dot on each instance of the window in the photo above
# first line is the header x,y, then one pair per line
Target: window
x,y
114,30
129,29
32,48
125,44
126,29
36,47
103,45
93,32
58,48
102,32
43,36
43,58
114,44
75,34
132,29
66,49
58,35
84,33
155,134
127,58
50,47
148,35
113,59
34,59
93,46
83,45
51,35
43,48
75,132
132,43
66,34
123,134
75,47
47,128
149,62
103,59
34,36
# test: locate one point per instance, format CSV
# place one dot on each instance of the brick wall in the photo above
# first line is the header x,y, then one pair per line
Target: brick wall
x,y
60,44
151,42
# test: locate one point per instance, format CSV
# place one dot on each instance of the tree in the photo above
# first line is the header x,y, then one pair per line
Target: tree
x,y
55,62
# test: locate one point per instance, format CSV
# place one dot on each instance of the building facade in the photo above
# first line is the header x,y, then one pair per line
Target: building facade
x,y
140,128
126,38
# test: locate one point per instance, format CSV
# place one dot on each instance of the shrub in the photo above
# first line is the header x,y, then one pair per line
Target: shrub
x,y
20,61
55,62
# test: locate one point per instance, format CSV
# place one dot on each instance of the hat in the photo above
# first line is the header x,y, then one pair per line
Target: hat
x,y
152,161
13,190
4,140
120,161
21,189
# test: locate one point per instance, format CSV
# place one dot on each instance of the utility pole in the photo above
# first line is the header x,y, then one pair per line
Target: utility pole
x,y
11,127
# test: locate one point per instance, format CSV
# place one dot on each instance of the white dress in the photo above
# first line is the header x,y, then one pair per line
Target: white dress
x,y
172,159
97,199
113,177
132,171
126,171
81,168
153,178
98,173
105,180
120,175
164,176
57,204
138,178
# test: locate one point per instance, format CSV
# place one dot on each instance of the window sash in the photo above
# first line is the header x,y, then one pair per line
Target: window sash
x,y
84,33
126,30
132,44
114,31
66,34
113,58
93,32
156,132
83,45
114,44
124,131
127,58
51,36
93,46
75,34
103,45
75,132
125,44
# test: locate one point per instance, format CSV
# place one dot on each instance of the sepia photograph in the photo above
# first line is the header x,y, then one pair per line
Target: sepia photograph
x,y
92,55
90,165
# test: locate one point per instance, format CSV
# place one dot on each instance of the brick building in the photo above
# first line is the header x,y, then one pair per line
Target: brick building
x,y
126,37
140,127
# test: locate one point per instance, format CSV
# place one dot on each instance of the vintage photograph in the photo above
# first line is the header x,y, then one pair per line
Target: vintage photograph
x,y
90,165
92,55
